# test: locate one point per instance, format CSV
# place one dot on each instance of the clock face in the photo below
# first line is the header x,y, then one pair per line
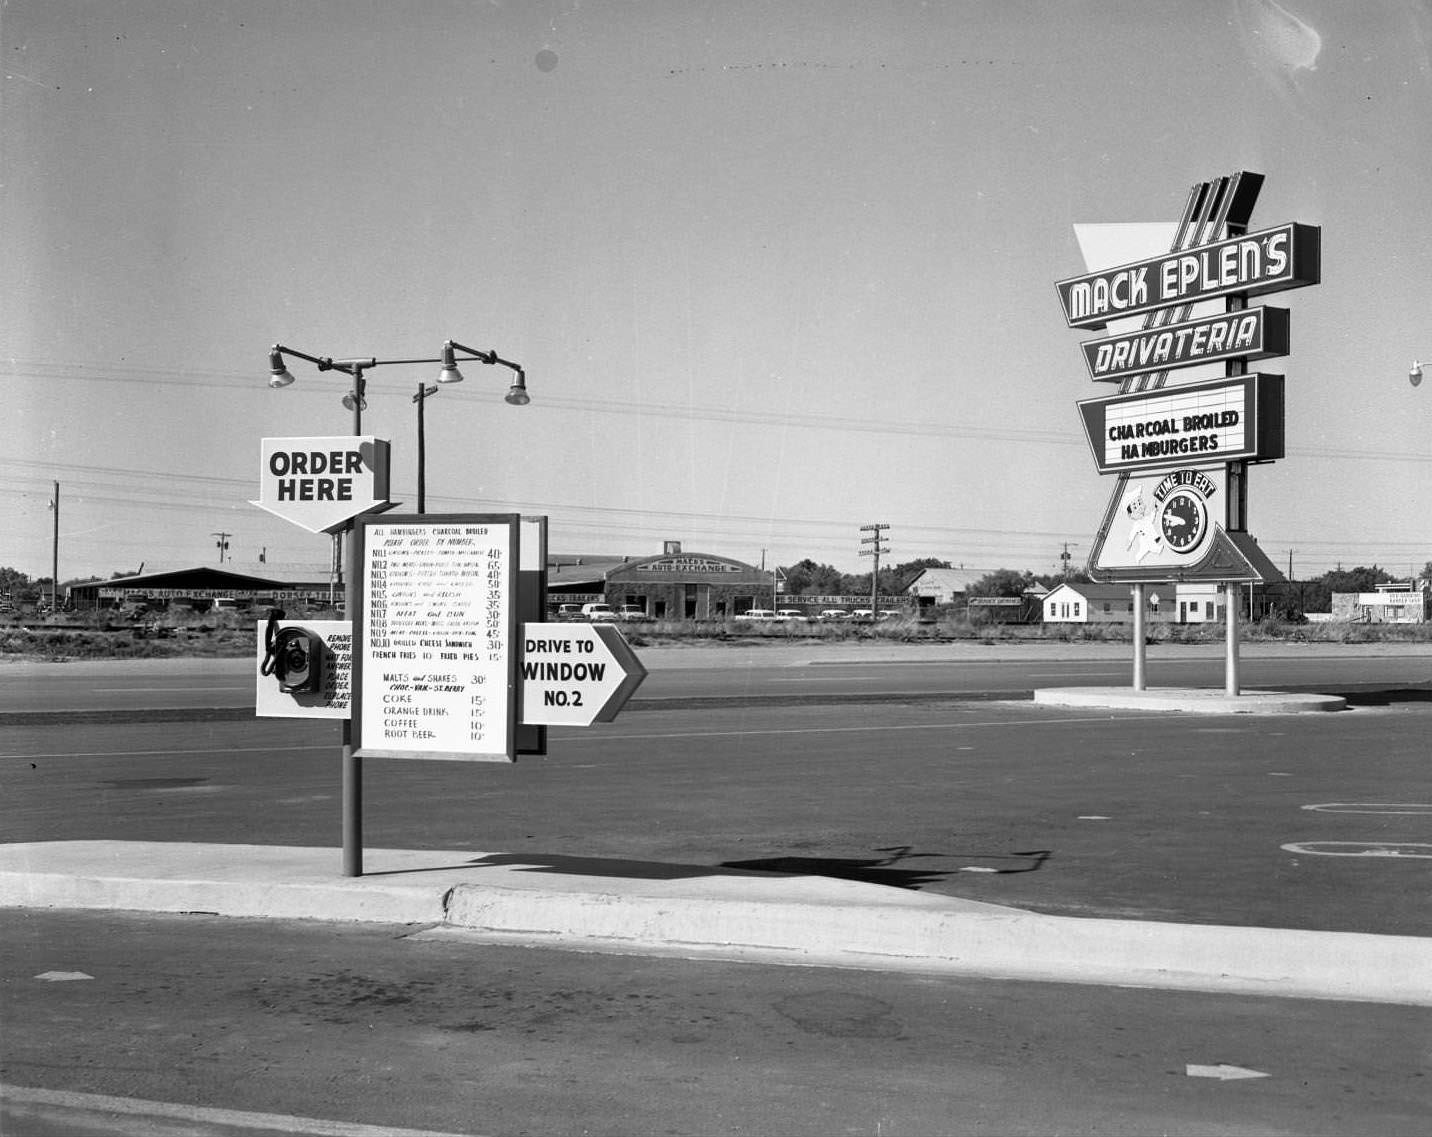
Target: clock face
x,y
1183,520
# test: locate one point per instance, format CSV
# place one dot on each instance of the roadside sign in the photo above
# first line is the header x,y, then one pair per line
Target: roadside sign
x,y
576,674
1245,333
331,700
434,637
1289,256
1222,421
320,484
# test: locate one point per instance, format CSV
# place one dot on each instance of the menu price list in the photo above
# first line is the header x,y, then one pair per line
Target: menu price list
x,y
437,641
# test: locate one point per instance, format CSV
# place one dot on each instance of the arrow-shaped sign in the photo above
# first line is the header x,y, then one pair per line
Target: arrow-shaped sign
x,y
322,483
576,674
1223,1072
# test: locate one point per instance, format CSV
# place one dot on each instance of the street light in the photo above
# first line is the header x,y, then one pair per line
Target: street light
x,y
355,401
1415,375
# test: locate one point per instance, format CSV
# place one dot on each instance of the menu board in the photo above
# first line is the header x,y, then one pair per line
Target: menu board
x,y
436,634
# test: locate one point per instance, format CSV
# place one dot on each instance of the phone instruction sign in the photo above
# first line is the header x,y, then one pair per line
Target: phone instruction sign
x,y
331,700
435,635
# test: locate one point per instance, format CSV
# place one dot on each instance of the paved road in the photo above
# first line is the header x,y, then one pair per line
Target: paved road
x,y
214,1021
791,674
1314,821
1289,821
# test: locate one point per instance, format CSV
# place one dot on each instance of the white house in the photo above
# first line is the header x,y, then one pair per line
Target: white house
x,y
1189,604
1089,604
1114,604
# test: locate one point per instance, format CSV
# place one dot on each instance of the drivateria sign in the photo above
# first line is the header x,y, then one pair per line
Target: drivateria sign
x,y
1181,452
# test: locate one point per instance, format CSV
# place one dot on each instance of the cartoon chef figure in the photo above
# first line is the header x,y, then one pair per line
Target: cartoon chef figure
x,y
1144,535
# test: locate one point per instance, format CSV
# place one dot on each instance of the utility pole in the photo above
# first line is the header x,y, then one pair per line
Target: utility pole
x,y
55,555
223,543
877,547
1066,557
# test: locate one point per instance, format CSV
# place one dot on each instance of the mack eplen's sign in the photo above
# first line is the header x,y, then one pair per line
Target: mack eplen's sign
x,y
1288,256
320,484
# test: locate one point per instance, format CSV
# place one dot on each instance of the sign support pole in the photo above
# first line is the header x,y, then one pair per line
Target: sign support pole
x,y
1140,649
1230,663
352,764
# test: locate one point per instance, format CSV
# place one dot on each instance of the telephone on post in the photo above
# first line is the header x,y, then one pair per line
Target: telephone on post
x,y
294,656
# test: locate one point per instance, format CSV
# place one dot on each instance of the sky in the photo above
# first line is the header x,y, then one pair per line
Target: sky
x,y
775,269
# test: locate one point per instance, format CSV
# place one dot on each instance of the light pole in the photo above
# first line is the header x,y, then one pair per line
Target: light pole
x,y
355,400
425,392
1414,376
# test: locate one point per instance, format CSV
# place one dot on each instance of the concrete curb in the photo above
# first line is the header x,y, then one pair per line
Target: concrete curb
x,y
1190,700
698,912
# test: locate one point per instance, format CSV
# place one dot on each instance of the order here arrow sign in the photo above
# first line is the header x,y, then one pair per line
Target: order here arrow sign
x,y
321,484
576,674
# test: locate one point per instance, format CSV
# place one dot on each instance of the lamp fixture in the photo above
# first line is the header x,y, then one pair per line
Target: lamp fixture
x,y
1415,375
517,393
279,374
449,373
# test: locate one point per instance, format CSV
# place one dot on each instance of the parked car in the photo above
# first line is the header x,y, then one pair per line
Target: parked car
x,y
599,613
890,613
757,614
863,614
833,614
633,614
569,612
790,614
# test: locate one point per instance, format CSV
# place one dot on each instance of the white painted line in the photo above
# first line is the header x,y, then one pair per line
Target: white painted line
x,y
193,1115
62,976
1091,817
1223,1073
593,736
1061,674
167,690
822,679
1411,808
162,753
1401,850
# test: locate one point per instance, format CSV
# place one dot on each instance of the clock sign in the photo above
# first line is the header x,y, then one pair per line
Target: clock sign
x,y
1183,520
1181,500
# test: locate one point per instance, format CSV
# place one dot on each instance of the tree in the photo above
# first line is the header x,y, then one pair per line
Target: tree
x,y
806,578
1317,594
1002,582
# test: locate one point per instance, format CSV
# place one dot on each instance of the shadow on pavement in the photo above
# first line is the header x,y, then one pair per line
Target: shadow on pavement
x,y
1386,697
869,870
